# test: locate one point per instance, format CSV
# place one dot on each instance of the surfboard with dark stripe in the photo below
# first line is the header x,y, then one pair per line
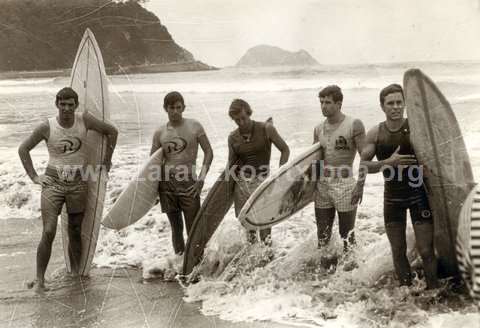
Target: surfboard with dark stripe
x,y
468,243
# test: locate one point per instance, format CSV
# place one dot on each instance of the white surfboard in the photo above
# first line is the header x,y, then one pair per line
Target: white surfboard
x,y
89,80
282,194
138,197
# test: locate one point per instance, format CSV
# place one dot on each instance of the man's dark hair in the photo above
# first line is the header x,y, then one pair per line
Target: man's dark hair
x,y
333,91
237,106
392,88
171,98
66,93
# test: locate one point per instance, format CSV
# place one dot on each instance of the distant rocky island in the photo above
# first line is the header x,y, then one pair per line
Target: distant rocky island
x,y
43,35
264,55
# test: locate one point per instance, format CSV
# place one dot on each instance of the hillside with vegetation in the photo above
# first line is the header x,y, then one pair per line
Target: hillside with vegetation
x,y
44,35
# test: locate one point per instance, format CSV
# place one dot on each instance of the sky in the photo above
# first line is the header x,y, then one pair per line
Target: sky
x,y
219,32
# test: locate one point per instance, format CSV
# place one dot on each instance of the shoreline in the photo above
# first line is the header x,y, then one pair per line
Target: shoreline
x,y
195,66
110,297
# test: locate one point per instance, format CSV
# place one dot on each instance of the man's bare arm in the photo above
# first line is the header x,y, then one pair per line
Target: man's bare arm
x,y
366,147
208,156
107,129
40,133
359,136
155,142
315,137
367,154
232,156
393,161
278,141
316,164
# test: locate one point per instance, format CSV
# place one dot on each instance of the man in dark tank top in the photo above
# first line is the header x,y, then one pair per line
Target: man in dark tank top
x,y
389,141
249,148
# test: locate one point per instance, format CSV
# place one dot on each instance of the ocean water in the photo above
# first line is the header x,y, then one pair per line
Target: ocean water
x,y
284,283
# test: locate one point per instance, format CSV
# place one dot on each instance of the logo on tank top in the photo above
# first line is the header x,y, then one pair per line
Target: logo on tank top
x,y
175,145
68,146
341,144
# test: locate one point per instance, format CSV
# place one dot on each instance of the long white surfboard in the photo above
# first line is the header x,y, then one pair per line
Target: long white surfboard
x,y
138,197
88,79
282,194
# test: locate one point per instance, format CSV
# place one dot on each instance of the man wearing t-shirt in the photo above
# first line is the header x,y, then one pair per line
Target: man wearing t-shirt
x,y
180,188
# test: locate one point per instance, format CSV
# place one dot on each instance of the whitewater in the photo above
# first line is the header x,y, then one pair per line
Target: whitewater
x,y
285,283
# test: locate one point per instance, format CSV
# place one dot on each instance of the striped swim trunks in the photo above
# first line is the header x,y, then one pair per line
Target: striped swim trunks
x,y
335,193
468,243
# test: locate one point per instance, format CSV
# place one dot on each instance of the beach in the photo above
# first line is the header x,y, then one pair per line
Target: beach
x,y
110,298
282,285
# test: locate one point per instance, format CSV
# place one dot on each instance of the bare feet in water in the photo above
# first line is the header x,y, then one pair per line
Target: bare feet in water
x,y
38,287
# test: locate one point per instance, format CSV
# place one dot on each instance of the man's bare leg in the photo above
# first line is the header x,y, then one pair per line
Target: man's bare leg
x,y
424,240
176,224
44,250
346,225
324,218
398,242
75,240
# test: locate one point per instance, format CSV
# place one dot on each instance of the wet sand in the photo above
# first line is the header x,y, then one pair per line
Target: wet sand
x,y
109,298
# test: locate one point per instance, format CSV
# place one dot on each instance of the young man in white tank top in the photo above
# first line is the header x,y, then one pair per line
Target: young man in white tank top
x,y
341,138
63,181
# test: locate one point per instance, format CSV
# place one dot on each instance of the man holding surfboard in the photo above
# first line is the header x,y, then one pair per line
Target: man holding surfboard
x,y
180,187
249,149
390,142
66,175
341,137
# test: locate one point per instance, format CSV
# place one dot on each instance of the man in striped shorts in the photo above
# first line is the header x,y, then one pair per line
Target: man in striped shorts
x,y
341,137
468,243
